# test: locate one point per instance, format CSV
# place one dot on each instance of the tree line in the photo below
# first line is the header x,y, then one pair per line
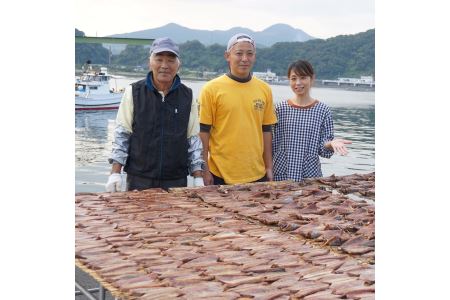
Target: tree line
x,y
340,56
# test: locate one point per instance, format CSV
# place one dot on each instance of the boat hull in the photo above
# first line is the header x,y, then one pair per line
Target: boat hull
x,y
94,102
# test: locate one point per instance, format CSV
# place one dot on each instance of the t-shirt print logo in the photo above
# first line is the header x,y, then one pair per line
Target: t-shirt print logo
x,y
258,104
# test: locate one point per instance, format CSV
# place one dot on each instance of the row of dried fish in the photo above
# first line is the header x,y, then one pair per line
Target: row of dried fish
x,y
315,214
359,184
156,245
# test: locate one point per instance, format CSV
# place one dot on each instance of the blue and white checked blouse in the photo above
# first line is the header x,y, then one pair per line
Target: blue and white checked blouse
x,y
298,140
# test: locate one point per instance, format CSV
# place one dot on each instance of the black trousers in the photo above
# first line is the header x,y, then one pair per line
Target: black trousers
x,y
218,180
142,183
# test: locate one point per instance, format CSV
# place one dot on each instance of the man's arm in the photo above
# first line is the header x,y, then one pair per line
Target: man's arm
x,y
207,176
195,156
118,158
205,124
116,167
195,144
267,155
121,142
270,119
120,147
122,132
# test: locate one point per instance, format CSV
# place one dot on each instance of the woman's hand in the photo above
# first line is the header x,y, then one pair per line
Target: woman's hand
x,y
338,146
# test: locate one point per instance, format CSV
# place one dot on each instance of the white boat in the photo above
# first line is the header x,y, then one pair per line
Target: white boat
x,y
92,91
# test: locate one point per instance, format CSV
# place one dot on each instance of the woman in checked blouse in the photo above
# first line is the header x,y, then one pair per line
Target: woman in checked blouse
x,y
304,130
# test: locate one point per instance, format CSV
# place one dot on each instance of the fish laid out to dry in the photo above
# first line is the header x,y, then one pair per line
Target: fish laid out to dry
x,y
359,184
306,210
275,240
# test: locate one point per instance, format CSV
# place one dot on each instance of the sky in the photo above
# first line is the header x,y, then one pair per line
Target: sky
x,y
318,18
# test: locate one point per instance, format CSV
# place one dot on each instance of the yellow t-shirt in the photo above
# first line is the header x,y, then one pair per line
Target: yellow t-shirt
x,y
236,112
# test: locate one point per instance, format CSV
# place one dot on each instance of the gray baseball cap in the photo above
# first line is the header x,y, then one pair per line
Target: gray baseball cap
x,y
164,44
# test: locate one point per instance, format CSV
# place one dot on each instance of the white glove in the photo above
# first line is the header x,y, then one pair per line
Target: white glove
x,y
198,181
114,183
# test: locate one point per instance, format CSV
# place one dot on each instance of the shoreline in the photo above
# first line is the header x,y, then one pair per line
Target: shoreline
x,y
318,83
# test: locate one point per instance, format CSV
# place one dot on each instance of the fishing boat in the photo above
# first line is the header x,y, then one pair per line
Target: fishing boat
x,y
93,92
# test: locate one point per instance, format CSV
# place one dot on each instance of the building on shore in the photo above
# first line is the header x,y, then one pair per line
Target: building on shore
x,y
362,81
209,75
267,76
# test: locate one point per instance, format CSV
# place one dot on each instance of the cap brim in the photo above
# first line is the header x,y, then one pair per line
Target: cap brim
x,y
164,50
244,40
241,40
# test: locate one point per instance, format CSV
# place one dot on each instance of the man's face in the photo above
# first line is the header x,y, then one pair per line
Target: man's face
x,y
164,66
241,58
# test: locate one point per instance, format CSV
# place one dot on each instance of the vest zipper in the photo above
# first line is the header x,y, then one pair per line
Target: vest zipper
x,y
162,137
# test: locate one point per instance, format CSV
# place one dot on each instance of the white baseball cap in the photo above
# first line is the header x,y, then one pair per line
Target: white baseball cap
x,y
240,37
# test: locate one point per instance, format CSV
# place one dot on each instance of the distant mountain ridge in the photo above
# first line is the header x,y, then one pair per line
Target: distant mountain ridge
x,y
180,34
341,56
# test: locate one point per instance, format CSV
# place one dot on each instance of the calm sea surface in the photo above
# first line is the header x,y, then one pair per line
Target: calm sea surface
x,y
353,115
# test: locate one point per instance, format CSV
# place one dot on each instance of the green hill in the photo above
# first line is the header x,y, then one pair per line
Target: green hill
x,y
96,53
340,56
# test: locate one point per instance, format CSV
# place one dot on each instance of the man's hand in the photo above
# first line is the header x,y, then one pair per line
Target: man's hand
x,y
269,174
114,183
208,178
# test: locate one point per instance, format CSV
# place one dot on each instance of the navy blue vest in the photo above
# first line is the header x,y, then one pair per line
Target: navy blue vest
x,y
158,144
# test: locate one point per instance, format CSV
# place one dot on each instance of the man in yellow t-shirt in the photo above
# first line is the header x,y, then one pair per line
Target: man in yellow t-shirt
x,y
236,115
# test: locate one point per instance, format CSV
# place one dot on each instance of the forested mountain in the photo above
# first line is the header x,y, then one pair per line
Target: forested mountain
x,y
340,56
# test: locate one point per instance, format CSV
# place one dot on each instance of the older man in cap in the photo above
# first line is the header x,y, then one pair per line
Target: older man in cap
x,y
236,114
156,136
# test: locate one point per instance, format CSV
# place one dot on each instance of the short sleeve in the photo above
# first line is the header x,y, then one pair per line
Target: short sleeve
x,y
206,104
269,113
